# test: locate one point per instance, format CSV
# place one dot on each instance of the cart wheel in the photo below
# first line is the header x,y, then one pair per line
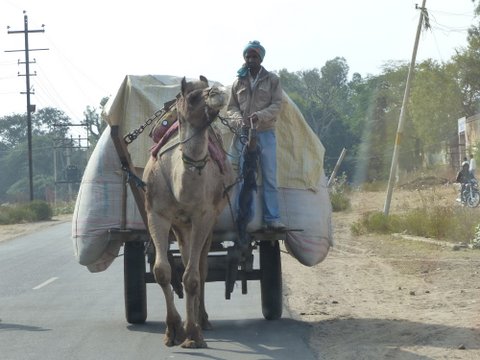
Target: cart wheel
x,y
134,282
271,280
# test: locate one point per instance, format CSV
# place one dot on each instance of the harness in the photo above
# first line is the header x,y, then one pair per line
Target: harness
x,y
195,164
192,164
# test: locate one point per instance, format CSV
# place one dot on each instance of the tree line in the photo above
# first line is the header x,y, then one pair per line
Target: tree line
x,y
54,152
361,113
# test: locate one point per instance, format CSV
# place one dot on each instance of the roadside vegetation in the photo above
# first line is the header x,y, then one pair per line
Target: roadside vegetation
x,y
431,215
339,194
453,224
37,210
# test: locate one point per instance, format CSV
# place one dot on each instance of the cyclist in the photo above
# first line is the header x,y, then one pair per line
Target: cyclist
x,y
464,176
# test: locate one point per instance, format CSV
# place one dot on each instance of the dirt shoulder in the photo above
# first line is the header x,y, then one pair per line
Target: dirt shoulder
x,y
381,297
8,232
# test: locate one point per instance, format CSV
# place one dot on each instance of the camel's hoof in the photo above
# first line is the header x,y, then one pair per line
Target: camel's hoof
x,y
174,336
172,341
168,341
192,344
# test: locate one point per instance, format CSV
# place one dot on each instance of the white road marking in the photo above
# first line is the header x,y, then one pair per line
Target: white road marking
x,y
45,283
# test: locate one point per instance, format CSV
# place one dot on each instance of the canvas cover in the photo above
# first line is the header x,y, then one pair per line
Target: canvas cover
x,y
303,194
300,152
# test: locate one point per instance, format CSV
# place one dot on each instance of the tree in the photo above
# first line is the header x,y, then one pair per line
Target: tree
x,y
13,143
52,122
436,103
13,130
323,98
294,86
467,65
94,123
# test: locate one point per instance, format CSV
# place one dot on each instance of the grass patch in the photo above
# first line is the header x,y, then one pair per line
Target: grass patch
x,y
339,194
62,208
439,222
36,210
376,222
340,201
373,186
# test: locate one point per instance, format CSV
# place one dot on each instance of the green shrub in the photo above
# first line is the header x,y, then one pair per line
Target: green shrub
x,y
377,222
415,222
66,207
476,239
339,201
41,210
15,215
36,210
339,191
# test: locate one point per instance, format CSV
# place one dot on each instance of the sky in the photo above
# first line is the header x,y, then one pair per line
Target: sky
x,y
94,44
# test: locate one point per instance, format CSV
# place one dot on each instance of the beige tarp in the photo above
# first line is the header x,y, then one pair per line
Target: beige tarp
x,y
300,153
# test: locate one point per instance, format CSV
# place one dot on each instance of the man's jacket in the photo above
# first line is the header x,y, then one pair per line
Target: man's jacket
x,y
265,99
464,176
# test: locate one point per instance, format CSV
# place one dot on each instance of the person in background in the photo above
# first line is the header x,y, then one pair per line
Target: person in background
x,y
472,165
463,177
255,100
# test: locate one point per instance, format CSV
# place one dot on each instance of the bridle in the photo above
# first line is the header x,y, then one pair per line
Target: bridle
x,y
197,164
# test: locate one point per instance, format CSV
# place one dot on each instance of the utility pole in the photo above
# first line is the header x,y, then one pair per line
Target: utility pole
x,y
71,174
337,166
28,91
398,139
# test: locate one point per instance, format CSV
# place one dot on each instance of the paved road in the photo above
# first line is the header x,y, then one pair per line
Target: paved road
x,y
52,308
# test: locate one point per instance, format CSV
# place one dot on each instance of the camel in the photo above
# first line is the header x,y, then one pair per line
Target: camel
x,y
185,192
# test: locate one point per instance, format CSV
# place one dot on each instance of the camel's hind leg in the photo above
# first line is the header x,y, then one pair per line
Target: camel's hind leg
x,y
159,229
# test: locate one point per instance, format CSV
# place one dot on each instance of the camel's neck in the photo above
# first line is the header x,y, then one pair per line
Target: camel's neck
x,y
194,141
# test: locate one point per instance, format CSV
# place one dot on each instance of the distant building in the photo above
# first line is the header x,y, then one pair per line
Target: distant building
x,y
468,136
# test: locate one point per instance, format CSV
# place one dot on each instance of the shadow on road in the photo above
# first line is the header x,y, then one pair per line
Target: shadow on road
x,y
279,339
19,327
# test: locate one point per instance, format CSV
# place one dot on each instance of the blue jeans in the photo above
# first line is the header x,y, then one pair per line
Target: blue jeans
x,y
267,143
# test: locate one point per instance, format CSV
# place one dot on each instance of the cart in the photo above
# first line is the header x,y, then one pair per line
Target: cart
x,y
224,262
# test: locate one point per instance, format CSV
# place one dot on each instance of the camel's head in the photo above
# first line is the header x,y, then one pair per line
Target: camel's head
x,y
200,103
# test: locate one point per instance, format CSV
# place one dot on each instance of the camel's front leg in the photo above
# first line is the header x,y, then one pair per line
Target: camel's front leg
x,y
193,285
159,230
202,312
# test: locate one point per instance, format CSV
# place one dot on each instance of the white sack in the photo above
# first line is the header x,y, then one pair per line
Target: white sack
x,y
99,208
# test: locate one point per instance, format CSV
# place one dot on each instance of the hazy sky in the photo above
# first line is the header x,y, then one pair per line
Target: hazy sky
x,y
94,44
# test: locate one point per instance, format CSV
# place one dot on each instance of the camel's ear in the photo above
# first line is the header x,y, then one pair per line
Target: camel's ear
x,y
184,85
204,79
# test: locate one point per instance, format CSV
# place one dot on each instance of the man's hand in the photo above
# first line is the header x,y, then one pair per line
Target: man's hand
x,y
251,120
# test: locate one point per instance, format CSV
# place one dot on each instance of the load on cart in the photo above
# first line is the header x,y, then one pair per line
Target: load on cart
x,y
110,209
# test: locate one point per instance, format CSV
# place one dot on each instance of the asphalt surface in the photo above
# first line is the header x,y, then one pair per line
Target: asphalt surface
x,y
53,308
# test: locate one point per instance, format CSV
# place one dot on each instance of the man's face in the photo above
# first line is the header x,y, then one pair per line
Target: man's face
x,y
253,60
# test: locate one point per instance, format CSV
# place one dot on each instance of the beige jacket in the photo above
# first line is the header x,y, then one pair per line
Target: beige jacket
x,y
265,99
